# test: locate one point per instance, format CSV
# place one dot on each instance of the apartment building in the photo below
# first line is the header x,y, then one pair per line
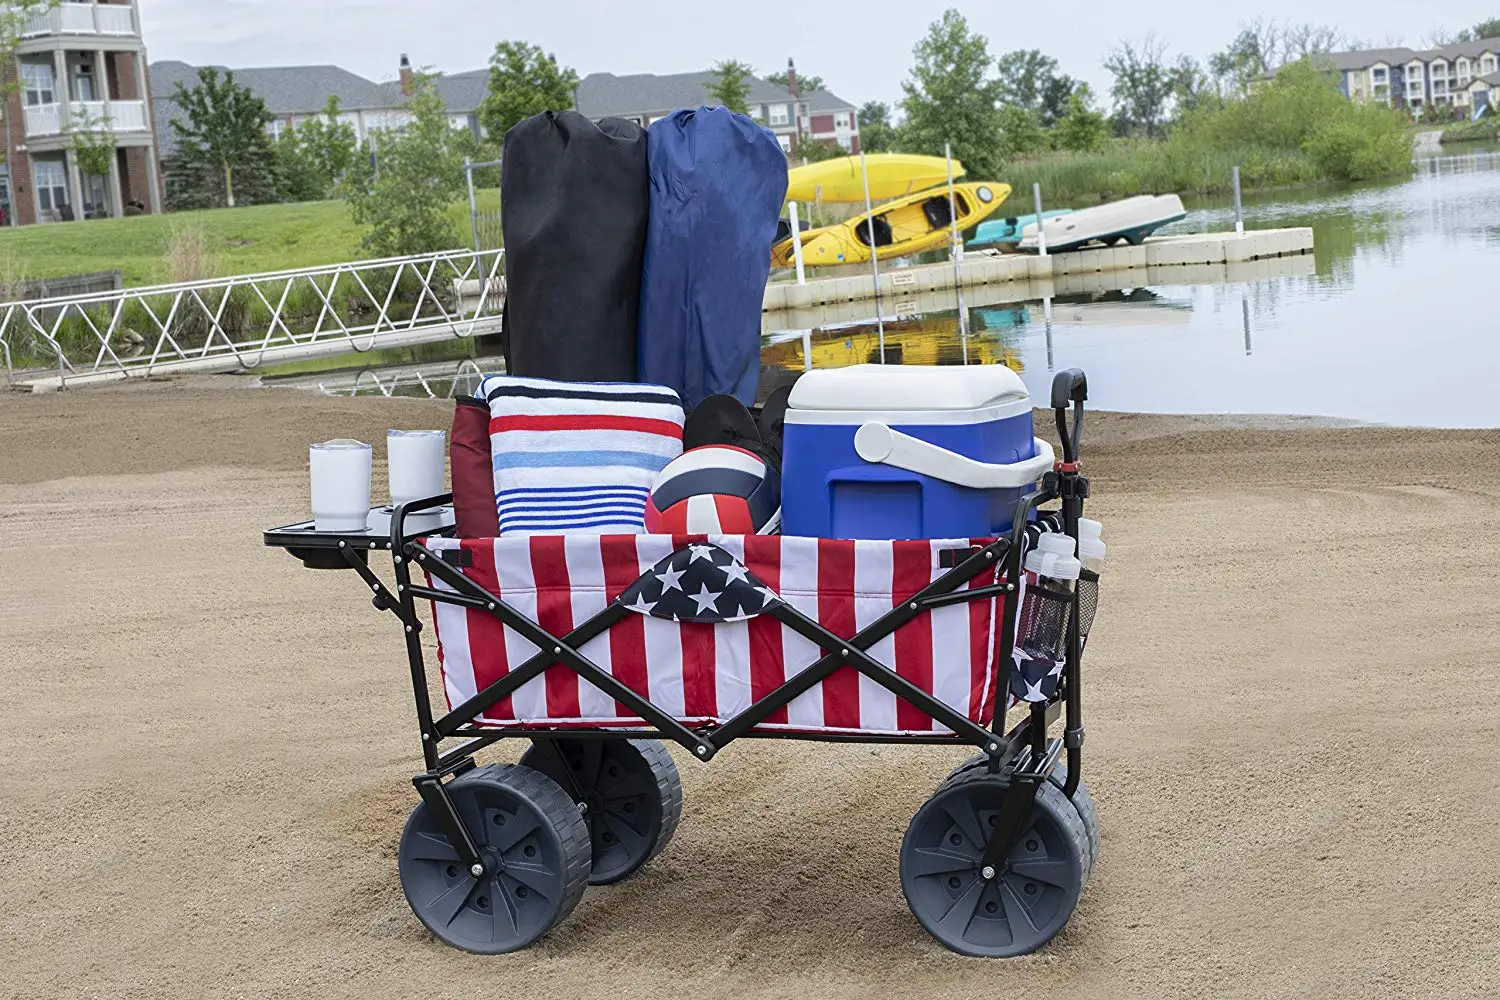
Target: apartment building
x,y
81,66
1460,76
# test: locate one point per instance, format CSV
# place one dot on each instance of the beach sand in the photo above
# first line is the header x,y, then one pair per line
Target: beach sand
x,y
1292,696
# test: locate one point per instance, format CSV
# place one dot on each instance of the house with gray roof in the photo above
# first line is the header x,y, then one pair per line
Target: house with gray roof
x,y
815,115
1456,76
297,93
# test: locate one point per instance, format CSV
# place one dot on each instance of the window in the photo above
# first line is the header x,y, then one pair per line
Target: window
x,y
51,179
1487,65
756,111
83,84
38,83
841,120
786,144
1378,74
778,114
275,127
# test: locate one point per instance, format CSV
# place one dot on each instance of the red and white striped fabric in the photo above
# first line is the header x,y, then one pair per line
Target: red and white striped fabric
x,y
707,673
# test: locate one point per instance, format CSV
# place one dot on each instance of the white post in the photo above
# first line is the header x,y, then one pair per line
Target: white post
x,y
116,195
807,350
62,89
864,169
1239,213
473,203
75,184
1041,232
791,214
956,252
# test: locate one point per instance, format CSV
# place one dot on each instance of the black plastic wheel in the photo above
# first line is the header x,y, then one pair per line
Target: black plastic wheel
x,y
535,849
1032,894
1083,801
631,794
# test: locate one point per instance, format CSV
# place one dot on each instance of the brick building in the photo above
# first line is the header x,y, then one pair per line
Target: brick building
x,y
80,64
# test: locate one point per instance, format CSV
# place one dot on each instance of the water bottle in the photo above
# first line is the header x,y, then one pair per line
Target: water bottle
x,y
1052,572
1091,547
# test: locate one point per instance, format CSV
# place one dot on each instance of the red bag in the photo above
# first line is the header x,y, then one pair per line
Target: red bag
x,y
473,471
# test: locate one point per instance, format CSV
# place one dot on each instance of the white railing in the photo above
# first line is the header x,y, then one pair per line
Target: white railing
x,y
82,19
423,380
227,324
112,116
44,119
115,19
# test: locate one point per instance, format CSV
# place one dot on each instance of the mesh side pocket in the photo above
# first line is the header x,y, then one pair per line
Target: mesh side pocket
x,y
1088,602
1042,632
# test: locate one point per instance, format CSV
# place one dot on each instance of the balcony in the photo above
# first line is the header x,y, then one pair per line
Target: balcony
x,y
83,19
113,116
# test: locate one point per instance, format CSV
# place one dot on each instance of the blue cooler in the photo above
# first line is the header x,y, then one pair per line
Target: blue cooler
x,y
892,451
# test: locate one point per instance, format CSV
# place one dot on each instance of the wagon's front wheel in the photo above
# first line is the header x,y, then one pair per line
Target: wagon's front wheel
x,y
1026,901
629,791
1083,801
535,851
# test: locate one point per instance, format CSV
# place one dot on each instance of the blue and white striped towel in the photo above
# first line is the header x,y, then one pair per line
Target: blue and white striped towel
x,y
578,458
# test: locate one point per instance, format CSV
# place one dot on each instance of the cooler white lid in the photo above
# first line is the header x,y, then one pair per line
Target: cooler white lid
x,y
907,387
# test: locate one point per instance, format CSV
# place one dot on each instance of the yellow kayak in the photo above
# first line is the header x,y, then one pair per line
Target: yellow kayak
x,y
906,226
892,175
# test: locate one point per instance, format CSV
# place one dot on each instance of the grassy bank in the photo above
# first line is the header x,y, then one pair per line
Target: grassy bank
x,y
1486,130
240,241
1298,129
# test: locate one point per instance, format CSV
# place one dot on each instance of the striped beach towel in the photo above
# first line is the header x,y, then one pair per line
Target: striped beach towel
x,y
578,457
721,654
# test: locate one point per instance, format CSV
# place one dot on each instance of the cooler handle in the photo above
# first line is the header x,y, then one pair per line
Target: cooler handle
x,y
878,443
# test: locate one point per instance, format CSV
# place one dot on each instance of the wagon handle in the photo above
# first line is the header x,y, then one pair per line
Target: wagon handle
x,y
1070,388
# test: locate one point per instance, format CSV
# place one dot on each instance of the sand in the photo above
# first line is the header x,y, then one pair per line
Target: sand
x,y
1292,697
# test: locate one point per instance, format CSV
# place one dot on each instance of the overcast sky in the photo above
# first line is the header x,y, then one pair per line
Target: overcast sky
x,y
861,48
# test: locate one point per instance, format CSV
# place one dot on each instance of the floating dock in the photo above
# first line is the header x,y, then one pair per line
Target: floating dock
x,y
985,268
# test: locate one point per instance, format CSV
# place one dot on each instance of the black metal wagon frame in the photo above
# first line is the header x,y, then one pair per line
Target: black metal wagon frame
x,y
1022,758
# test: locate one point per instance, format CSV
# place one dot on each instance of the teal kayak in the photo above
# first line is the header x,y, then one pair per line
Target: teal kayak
x,y
1009,230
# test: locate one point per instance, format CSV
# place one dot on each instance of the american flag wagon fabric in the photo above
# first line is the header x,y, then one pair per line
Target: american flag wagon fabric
x,y
698,646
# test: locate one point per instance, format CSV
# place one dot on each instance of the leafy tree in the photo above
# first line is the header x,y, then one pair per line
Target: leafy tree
x,y
1021,131
876,134
1192,88
804,83
524,81
1247,58
1143,87
405,201
731,86
224,155
817,150
1082,129
1028,79
951,98
299,178
315,155
1489,28
93,144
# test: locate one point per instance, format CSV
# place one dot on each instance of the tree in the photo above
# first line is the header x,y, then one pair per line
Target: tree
x,y
93,144
1028,79
524,81
1082,129
1021,132
405,203
804,83
817,150
1143,87
329,143
1246,59
950,98
876,134
1191,87
224,154
731,85
1489,28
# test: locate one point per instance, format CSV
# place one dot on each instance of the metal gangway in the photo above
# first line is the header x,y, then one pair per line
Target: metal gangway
x,y
247,321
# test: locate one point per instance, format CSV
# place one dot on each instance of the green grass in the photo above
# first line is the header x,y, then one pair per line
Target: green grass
x,y
242,240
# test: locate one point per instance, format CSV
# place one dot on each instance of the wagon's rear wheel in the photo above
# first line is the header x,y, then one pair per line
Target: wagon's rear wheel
x,y
1031,895
535,850
1083,801
630,792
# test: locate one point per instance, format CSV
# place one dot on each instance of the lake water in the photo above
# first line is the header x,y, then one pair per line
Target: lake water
x,y
1396,318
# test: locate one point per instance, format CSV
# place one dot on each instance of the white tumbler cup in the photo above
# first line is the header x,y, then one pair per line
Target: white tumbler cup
x,y
340,484
416,464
